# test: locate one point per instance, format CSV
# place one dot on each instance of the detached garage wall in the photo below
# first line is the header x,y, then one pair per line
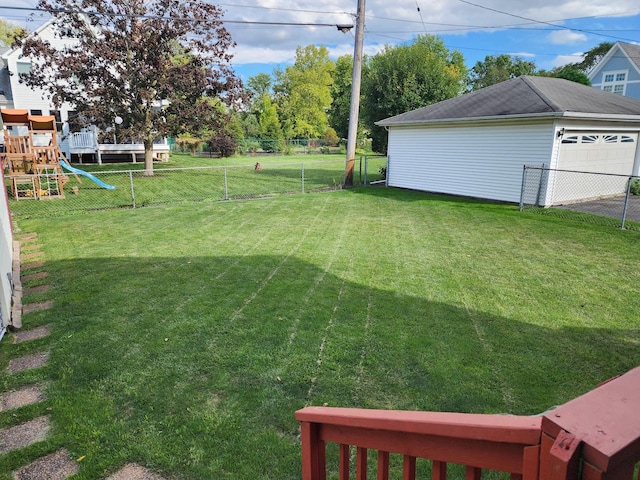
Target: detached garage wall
x,y
6,260
484,161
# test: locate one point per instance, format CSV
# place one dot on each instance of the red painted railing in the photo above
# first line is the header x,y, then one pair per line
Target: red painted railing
x,y
594,437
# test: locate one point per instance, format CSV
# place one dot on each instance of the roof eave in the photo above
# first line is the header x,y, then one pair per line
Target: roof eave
x,y
533,116
406,123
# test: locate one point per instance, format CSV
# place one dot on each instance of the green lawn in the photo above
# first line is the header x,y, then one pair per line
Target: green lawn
x,y
185,337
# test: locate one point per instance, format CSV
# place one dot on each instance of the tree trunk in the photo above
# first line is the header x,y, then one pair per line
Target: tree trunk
x,y
148,157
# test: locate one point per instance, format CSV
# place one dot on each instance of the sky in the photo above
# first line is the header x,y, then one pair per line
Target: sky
x,y
548,32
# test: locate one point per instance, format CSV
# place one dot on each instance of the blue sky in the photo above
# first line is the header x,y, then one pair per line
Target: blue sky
x,y
548,32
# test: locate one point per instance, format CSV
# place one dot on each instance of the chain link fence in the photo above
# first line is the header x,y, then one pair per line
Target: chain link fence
x,y
49,194
602,198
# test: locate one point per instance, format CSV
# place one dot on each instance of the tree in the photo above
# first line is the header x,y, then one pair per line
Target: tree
x,y
303,92
496,69
406,77
341,93
573,73
10,32
155,63
593,56
270,131
259,84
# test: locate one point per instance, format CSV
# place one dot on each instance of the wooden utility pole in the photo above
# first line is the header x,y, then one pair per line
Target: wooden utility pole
x,y
356,75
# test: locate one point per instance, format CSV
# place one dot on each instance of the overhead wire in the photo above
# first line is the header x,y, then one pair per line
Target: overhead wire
x,y
564,27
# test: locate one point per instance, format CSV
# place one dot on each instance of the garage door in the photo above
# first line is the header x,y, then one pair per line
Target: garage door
x,y
605,152
598,152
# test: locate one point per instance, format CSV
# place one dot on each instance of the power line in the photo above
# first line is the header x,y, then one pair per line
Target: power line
x,y
563,27
157,17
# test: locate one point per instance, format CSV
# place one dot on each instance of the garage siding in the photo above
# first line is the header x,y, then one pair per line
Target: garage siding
x,y
475,161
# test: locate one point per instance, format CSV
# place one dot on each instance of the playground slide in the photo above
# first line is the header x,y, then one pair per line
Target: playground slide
x,y
77,171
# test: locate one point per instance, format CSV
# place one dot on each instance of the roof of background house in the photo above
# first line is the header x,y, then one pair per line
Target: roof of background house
x,y
633,51
522,97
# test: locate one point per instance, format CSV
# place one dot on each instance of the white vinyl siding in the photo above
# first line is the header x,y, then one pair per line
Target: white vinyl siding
x,y
484,161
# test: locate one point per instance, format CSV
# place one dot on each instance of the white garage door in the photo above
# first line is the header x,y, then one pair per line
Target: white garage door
x,y
597,152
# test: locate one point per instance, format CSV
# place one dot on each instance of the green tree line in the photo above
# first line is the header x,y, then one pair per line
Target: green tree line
x,y
311,98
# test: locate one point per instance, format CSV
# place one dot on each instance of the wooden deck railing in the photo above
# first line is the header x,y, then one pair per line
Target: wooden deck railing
x,y
594,437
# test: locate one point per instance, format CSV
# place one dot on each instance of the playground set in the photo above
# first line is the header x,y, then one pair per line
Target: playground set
x,y
32,158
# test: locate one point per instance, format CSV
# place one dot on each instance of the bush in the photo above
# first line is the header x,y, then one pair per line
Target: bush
x,y
223,144
635,187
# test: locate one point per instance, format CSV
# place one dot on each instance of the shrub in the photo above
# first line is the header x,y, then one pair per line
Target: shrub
x,y
223,144
635,187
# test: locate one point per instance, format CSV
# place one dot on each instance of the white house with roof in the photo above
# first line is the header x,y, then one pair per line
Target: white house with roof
x,y
73,140
18,95
618,71
477,144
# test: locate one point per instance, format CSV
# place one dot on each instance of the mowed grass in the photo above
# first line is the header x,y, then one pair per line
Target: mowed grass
x,y
184,338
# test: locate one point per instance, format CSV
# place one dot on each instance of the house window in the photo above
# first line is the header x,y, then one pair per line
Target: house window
x,y
610,139
589,138
615,82
571,139
35,112
56,113
627,139
23,67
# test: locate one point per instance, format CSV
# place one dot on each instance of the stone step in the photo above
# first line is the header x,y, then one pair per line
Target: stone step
x,y
133,471
35,290
28,362
24,434
21,398
32,334
36,307
35,276
57,466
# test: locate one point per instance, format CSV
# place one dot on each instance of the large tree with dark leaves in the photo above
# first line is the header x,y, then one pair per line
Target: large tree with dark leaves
x,y
157,64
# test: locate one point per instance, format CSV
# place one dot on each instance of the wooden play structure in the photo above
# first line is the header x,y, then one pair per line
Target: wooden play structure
x,y
32,157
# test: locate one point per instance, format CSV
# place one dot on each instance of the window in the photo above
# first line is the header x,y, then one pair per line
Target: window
x,y
589,138
610,138
571,139
35,112
23,67
615,82
627,139
56,113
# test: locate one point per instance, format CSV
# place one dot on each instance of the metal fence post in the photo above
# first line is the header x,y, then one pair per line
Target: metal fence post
x,y
626,202
226,187
303,178
133,192
366,169
524,174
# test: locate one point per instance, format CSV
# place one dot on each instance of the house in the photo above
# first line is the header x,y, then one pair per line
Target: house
x,y
73,140
618,71
477,144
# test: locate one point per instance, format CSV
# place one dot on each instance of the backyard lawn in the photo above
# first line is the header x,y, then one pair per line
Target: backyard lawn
x,y
185,337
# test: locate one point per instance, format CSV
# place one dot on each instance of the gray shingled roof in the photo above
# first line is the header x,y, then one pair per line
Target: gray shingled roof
x,y
633,51
522,97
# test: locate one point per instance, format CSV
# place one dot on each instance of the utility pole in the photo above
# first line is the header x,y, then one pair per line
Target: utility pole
x,y
356,76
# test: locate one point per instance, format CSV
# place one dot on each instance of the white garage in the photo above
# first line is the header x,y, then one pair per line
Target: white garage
x,y
477,144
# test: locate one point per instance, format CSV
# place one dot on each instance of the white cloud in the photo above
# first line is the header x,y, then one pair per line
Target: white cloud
x,y
566,37
562,60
